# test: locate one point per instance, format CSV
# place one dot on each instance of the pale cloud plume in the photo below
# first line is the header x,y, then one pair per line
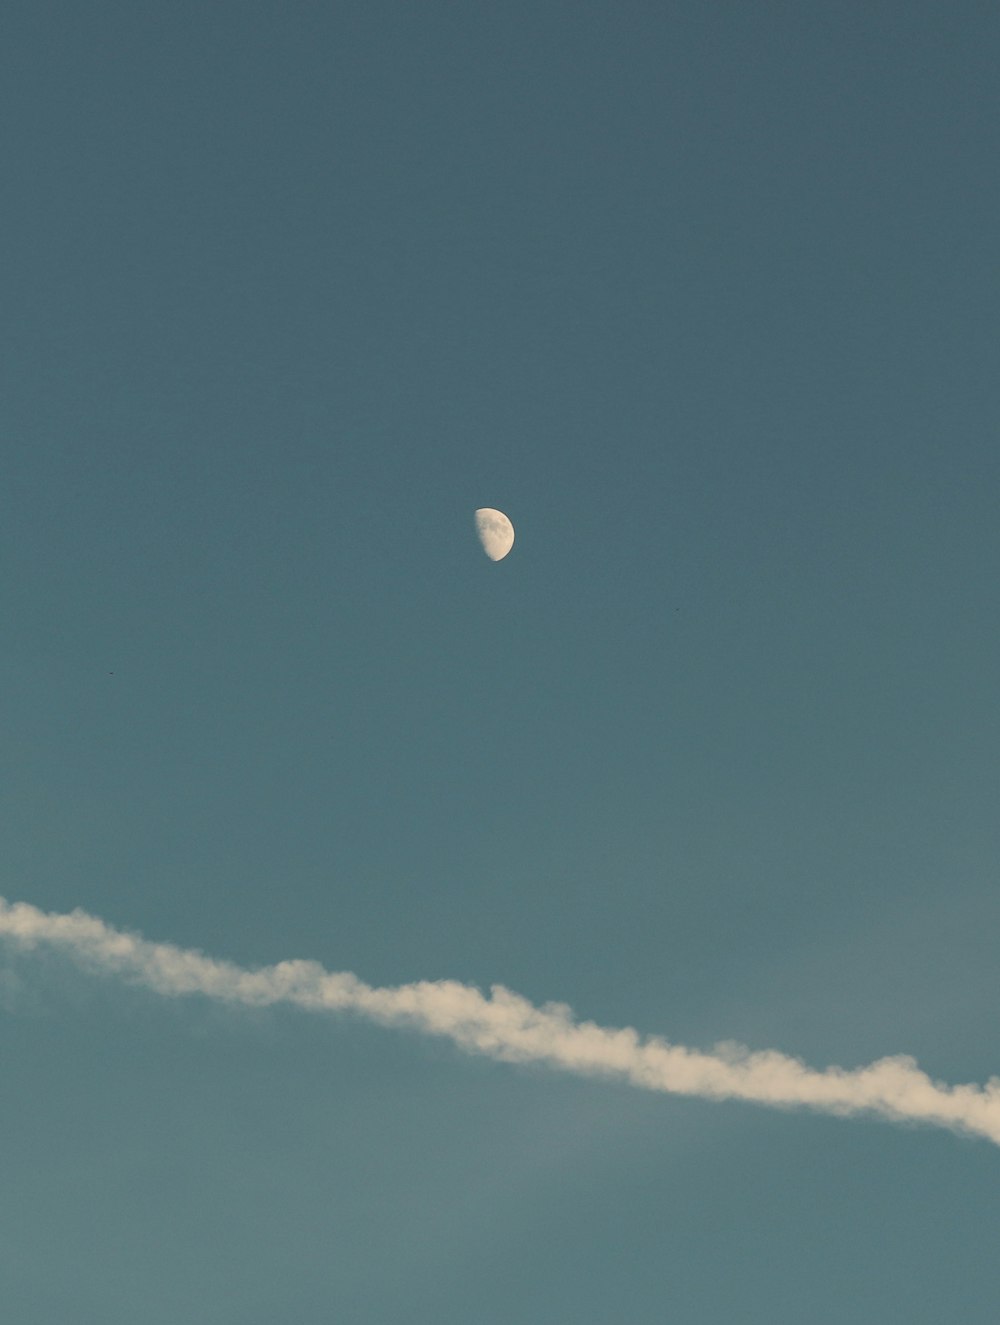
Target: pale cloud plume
x,y
508,1027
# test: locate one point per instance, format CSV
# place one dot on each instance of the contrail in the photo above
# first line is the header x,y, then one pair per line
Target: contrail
x,y
508,1027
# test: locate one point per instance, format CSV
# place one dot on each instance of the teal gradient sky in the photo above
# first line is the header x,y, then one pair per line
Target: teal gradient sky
x,y
706,298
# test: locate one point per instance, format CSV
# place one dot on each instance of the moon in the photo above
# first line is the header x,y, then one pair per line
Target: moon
x,y
496,533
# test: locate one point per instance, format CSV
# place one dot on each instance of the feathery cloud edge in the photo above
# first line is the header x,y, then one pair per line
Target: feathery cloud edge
x,y
506,1026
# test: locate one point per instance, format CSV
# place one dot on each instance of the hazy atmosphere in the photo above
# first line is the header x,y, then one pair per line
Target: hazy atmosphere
x,y
401,925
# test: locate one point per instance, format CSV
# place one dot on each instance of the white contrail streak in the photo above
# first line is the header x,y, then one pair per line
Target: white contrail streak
x,y
508,1027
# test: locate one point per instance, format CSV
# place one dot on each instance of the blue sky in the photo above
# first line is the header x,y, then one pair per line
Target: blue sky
x,y
705,298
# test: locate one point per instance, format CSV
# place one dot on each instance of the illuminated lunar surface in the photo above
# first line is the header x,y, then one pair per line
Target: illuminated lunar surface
x,y
496,533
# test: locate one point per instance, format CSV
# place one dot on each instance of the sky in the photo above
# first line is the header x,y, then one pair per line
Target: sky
x,y
705,298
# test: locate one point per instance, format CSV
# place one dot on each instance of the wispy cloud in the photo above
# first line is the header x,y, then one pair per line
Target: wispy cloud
x,y
508,1027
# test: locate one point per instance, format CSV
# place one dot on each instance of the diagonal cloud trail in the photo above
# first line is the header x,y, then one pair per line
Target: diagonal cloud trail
x,y
507,1027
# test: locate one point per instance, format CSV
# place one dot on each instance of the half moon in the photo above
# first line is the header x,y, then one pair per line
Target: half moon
x,y
496,533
